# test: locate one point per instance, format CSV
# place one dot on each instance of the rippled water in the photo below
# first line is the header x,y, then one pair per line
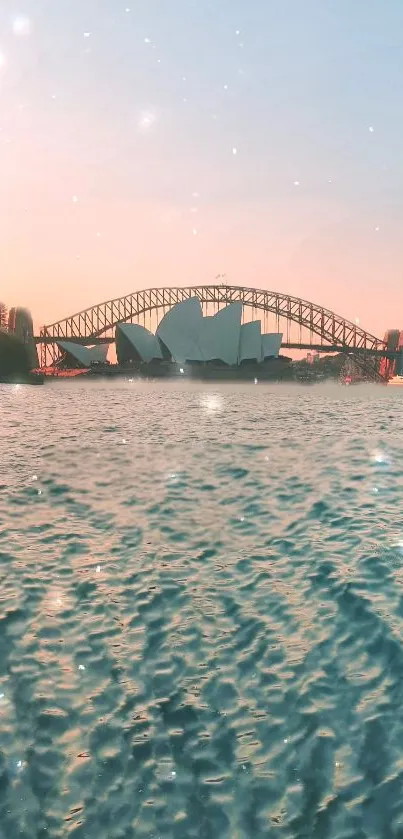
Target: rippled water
x,y
201,612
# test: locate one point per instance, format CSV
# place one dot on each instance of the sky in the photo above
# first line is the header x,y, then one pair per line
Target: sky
x,y
165,142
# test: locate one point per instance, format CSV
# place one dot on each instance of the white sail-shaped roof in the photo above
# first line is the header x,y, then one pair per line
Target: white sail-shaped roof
x,y
145,345
180,331
84,355
221,334
250,345
271,343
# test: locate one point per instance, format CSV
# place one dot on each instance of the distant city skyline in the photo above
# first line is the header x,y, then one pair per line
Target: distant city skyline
x,y
166,143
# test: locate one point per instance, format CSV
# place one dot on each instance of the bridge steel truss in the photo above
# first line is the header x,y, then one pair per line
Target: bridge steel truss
x,y
99,321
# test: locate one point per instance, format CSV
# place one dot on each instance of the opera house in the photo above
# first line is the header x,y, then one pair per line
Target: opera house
x,y
186,342
214,346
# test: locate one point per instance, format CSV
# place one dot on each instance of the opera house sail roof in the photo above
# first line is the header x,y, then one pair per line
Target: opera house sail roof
x,y
180,331
184,335
271,345
84,356
250,347
220,335
136,343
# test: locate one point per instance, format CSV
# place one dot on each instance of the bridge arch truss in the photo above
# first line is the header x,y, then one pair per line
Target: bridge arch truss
x,y
98,322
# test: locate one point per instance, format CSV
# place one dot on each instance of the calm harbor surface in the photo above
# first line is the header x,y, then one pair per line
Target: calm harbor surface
x,y
201,611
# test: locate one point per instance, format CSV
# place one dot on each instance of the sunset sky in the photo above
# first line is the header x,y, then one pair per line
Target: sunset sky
x,y
165,142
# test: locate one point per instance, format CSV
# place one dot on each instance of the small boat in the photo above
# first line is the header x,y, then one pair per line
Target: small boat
x,y
396,381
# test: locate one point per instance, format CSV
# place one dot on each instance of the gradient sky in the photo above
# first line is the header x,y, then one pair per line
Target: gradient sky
x,y
165,142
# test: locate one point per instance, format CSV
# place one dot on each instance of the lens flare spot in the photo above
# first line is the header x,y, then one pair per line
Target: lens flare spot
x,y
22,25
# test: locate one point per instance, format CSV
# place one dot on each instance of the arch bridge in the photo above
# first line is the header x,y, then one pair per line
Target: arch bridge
x,y
328,331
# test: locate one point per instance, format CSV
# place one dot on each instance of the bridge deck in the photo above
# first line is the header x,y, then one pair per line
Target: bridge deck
x,y
288,345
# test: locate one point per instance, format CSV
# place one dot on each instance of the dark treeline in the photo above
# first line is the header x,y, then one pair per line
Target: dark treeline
x,y
14,357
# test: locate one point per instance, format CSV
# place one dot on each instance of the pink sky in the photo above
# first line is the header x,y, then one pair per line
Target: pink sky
x,y
60,256
251,148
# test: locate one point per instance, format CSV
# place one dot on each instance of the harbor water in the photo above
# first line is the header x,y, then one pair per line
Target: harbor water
x,y
201,611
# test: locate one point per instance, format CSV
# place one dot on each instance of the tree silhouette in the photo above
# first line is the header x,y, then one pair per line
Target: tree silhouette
x,y
14,359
